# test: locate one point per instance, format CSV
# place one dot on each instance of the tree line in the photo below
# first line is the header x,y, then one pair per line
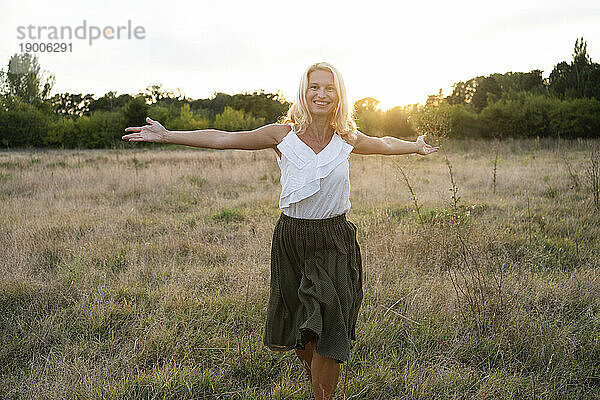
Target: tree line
x,y
30,117
512,104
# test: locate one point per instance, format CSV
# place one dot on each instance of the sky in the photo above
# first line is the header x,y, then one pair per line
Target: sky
x,y
396,52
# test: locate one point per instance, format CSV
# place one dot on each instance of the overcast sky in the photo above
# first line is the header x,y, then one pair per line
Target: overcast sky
x,y
396,52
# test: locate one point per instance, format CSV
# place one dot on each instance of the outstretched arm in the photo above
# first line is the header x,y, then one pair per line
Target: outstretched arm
x,y
388,145
261,138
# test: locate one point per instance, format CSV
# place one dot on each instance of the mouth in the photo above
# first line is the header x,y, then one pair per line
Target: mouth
x,y
321,103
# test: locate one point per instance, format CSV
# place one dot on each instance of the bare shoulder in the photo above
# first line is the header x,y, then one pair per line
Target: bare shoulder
x,y
277,131
353,139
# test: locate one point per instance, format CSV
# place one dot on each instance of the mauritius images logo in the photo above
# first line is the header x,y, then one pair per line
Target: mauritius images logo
x,y
87,32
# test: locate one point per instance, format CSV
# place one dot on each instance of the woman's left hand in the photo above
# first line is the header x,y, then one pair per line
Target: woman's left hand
x,y
423,148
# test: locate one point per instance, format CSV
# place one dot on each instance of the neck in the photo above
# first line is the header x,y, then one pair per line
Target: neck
x,y
320,128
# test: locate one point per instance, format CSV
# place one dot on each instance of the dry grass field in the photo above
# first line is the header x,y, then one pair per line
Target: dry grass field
x,y
143,274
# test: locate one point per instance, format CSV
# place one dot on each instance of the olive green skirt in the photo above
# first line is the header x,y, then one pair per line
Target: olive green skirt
x,y
316,285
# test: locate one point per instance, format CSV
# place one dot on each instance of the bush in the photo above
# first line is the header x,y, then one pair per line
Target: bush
x,y
187,121
22,125
236,120
576,118
463,123
61,133
530,115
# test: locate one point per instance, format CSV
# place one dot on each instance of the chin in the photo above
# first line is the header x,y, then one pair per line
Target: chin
x,y
321,112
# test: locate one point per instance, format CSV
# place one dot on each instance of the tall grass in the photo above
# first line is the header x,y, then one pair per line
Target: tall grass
x,y
144,274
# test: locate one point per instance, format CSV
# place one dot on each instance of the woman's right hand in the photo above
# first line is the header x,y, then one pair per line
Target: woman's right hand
x,y
154,132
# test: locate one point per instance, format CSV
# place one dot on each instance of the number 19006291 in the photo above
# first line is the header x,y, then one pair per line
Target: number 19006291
x,y
46,47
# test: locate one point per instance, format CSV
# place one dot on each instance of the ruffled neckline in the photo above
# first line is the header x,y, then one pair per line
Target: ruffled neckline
x,y
309,148
300,154
310,167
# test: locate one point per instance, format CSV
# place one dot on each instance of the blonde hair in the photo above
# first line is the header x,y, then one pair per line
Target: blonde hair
x,y
341,121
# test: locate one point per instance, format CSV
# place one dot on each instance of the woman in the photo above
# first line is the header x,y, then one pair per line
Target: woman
x,y
316,267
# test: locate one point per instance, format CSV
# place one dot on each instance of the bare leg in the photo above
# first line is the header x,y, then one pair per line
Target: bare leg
x,y
325,374
305,357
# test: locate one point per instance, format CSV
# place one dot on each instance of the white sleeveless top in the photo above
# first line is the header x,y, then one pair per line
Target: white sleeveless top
x,y
314,186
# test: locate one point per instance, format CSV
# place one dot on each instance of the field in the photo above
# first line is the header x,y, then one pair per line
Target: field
x,y
144,274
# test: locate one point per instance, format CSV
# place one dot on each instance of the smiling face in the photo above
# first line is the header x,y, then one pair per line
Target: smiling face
x,y
321,96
